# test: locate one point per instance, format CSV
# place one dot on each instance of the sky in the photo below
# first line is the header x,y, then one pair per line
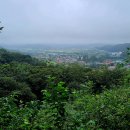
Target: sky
x,y
65,21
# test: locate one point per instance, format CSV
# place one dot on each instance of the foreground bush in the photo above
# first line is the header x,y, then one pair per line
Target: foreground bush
x,y
109,110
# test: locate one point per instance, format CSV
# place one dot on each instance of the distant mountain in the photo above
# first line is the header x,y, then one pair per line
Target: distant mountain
x,y
115,48
46,46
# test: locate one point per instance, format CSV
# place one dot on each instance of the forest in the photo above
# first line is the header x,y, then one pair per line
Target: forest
x,y
38,95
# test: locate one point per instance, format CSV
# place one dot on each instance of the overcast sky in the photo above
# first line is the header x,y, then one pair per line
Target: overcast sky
x,y
65,21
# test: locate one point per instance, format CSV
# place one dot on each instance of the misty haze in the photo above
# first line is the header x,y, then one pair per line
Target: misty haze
x,y
65,21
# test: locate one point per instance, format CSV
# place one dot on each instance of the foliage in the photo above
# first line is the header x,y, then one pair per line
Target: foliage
x,y
15,117
106,79
109,110
57,96
8,57
92,99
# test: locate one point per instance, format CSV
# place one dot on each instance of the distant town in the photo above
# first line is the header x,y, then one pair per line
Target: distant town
x,y
108,55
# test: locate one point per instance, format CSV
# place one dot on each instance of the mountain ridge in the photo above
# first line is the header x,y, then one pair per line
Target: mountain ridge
x,y
115,48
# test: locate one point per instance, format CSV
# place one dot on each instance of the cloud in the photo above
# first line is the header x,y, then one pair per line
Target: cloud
x,y
65,21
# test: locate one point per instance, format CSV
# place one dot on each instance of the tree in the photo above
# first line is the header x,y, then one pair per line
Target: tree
x,y
1,28
57,96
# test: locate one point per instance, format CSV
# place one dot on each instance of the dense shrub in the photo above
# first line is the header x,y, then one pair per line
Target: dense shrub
x,y
106,79
109,110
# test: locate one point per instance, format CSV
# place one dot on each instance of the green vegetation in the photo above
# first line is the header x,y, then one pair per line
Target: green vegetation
x,y
8,57
36,95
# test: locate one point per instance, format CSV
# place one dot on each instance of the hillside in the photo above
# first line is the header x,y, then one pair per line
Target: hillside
x,y
115,48
8,57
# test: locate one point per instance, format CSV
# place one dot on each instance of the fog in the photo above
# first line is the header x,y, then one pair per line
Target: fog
x,y
65,21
